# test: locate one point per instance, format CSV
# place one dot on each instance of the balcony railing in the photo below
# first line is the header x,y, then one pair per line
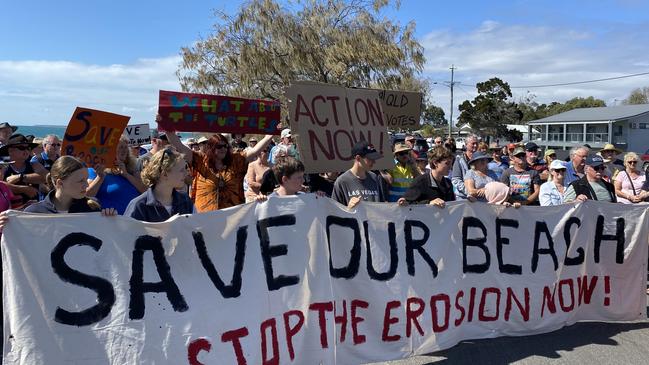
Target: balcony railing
x,y
597,137
574,137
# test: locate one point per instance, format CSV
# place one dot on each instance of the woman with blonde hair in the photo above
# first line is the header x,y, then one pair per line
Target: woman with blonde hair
x,y
117,186
629,182
164,174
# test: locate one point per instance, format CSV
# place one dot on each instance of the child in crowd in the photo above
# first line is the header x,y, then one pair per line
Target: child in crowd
x,y
164,174
289,173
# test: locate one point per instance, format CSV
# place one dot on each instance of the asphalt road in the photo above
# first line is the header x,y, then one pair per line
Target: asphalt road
x,y
594,343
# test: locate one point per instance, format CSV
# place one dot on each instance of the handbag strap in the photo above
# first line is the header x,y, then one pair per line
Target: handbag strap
x,y
631,182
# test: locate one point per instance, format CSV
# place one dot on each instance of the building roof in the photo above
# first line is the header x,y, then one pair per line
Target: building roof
x,y
596,114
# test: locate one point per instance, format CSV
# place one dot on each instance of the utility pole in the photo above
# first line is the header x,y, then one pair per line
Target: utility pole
x,y
450,120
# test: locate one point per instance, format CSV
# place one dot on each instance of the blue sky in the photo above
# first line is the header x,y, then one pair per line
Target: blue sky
x,y
116,55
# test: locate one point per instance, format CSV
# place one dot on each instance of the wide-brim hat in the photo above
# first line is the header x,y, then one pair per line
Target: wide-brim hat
x,y
477,156
401,147
203,139
611,147
16,140
7,125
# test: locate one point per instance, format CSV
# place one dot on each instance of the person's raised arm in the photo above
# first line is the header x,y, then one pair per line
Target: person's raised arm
x,y
252,153
175,141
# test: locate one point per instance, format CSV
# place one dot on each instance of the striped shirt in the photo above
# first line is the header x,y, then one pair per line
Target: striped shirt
x,y
402,178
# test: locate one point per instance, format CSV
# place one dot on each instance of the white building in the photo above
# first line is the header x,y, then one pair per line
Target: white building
x,y
625,126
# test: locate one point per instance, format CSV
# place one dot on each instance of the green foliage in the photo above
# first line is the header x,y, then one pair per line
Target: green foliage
x,y
532,110
638,96
434,115
266,46
491,110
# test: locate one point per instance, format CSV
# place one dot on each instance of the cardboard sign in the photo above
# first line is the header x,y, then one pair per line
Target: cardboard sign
x,y
302,280
138,134
216,113
328,120
92,136
401,109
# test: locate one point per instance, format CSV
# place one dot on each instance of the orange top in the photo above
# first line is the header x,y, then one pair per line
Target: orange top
x,y
218,189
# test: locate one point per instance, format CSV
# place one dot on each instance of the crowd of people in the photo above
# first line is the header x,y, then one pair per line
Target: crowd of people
x,y
215,172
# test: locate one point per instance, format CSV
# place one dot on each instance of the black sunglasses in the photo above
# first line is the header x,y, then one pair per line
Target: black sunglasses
x,y
599,168
220,145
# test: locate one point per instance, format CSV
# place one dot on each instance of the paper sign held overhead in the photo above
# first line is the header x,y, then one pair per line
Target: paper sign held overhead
x,y
328,120
92,136
138,134
401,109
188,112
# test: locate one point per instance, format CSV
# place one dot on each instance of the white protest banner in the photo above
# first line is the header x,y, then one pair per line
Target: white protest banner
x,y
401,109
328,120
301,280
137,134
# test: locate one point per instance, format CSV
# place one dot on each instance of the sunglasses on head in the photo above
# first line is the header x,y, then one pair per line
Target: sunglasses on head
x,y
167,151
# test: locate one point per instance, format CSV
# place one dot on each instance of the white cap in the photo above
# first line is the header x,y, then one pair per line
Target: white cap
x,y
557,165
286,132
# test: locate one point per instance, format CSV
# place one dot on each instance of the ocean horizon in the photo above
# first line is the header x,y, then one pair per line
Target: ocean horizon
x,y
43,130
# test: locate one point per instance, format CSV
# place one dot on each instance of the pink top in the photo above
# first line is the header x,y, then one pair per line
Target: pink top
x,y
5,199
255,174
627,188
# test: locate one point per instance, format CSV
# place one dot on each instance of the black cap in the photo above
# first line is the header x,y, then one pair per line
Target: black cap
x,y
531,146
7,125
364,149
594,161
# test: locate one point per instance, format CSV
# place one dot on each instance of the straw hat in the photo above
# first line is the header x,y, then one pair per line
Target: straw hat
x,y
610,147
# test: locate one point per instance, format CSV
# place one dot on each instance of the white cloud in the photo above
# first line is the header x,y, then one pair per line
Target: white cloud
x,y
46,92
534,55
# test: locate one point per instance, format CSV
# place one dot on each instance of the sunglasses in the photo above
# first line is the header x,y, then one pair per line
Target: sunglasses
x,y
220,145
55,144
402,153
632,162
599,168
21,148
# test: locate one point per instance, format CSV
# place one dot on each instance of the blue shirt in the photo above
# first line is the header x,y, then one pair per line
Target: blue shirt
x,y
497,168
115,191
571,174
147,208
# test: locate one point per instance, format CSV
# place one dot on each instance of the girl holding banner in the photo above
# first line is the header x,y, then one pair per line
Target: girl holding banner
x,y
164,174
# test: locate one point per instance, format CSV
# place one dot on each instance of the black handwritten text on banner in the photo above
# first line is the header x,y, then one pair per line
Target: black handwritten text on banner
x,y
301,280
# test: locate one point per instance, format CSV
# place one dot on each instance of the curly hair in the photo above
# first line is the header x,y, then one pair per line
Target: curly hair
x,y
163,161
